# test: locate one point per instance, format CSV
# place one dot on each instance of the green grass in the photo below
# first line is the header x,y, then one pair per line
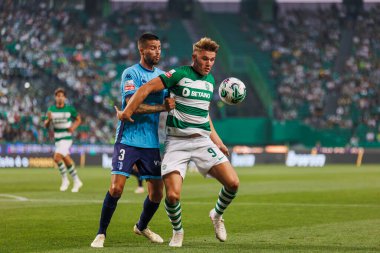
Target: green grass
x,y
278,209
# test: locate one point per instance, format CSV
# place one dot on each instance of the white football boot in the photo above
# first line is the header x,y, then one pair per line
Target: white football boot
x,y
65,184
77,185
153,237
219,228
177,239
98,241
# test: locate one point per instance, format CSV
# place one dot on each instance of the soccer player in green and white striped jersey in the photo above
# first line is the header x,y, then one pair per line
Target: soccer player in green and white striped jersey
x,y
61,116
191,136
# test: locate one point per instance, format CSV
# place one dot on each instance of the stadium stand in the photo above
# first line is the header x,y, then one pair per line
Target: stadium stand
x,y
304,45
294,55
47,48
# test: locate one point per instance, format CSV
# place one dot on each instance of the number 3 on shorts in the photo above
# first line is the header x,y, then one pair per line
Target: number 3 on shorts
x,y
211,151
122,153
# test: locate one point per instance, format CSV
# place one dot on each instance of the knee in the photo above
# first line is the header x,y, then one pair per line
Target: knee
x,y
116,190
156,196
233,185
172,197
57,160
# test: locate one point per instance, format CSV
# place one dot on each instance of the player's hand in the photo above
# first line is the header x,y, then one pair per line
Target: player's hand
x,y
48,120
224,149
169,104
121,115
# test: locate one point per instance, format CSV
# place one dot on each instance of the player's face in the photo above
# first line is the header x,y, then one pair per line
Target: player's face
x,y
152,52
60,99
203,61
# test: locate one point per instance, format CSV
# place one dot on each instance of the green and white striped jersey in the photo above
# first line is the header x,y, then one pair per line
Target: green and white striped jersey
x,y
193,94
62,120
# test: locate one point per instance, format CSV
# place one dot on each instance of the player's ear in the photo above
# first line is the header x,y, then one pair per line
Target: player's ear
x,y
193,56
141,50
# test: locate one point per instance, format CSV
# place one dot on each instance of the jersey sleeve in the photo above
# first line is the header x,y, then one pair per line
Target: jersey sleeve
x,y
74,112
172,77
128,85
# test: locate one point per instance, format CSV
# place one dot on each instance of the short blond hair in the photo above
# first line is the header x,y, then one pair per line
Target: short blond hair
x,y
206,44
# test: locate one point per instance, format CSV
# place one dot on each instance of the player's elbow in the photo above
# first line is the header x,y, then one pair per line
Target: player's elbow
x,y
79,120
155,85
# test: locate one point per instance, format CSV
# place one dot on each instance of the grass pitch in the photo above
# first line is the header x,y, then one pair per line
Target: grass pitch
x,y
277,209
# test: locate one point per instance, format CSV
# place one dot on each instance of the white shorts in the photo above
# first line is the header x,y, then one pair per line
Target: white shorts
x,y
179,151
63,147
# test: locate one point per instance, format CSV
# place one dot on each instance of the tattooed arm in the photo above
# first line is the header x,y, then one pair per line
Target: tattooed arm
x,y
145,108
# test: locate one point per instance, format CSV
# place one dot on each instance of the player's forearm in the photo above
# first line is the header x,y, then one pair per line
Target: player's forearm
x,y
136,100
144,108
214,135
76,123
47,123
216,139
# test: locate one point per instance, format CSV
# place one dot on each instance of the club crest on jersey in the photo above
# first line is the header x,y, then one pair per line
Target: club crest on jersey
x,y
129,85
169,73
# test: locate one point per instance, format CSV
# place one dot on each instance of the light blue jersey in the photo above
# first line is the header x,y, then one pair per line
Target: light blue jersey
x,y
143,132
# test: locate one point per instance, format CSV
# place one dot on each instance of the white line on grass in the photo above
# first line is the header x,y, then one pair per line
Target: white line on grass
x,y
13,197
80,201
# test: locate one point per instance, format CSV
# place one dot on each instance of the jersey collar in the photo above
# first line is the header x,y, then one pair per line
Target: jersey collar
x,y
154,68
199,74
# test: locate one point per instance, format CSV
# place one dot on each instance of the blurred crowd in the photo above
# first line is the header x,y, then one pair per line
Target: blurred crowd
x,y
43,48
304,45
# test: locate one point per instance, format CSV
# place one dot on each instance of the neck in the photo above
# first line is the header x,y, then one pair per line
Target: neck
x,y
147,66
59,105
196,70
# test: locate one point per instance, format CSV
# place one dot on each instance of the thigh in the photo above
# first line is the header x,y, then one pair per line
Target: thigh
x,y
207,155
123,159
117,185
173,185
149,163
62,147
225,174
57,157
177,156
155,189
68,161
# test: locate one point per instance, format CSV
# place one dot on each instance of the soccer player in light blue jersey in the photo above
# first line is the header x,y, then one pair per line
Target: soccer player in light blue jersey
x,y
137,143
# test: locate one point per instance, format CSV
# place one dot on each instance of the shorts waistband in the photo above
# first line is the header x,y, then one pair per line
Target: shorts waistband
x,y
187,136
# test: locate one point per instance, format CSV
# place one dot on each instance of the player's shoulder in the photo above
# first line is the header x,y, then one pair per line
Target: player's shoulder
x,y
130,72
70,106
159,71
210,78
184,69
179,71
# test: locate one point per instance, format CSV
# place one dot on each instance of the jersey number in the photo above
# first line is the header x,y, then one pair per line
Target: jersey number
x,y
122,153
211,151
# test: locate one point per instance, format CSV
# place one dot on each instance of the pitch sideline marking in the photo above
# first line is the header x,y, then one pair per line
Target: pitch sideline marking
x,y
19,198
14,197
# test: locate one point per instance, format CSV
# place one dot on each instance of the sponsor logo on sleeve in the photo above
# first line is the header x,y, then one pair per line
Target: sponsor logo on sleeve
x,y
169,73
129,85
